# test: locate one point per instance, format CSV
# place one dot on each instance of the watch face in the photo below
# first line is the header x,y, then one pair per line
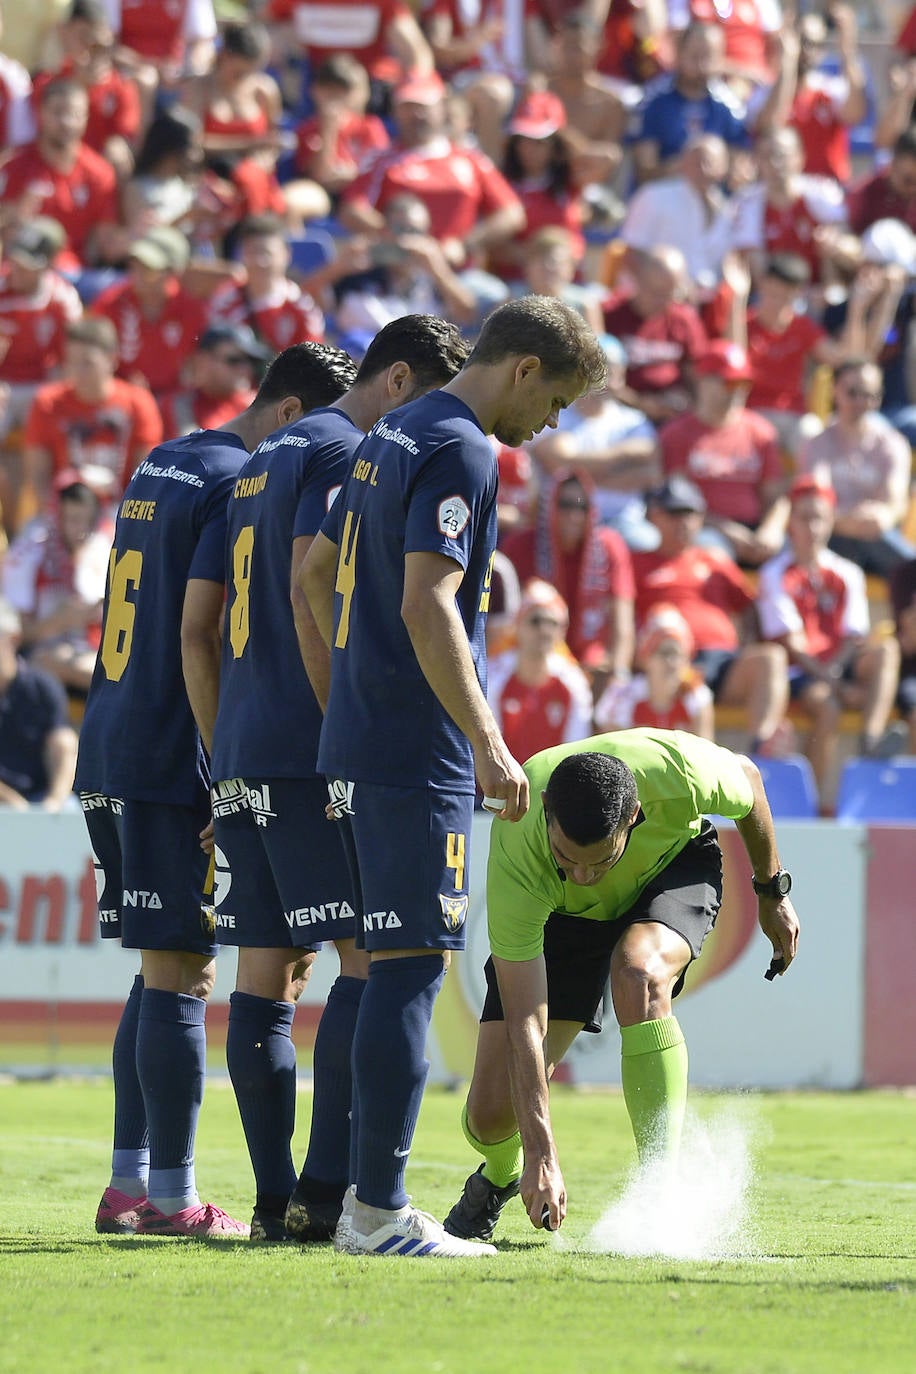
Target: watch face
x,y
783,883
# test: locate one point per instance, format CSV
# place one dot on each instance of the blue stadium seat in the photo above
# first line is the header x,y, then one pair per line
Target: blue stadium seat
x,y
878,790
790,787
312,250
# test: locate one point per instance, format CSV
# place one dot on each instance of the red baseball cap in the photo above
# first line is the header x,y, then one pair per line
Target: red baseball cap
x,y
539,115
420,89
725,359
809,484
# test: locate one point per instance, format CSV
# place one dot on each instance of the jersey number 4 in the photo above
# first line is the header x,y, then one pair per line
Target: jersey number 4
x,y
123,576
346,577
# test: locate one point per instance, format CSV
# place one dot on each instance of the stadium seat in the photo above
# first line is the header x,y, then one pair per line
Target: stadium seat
x,y
878,790
311,250
790,787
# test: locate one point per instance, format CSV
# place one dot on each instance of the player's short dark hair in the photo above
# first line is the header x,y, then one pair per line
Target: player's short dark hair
x,y
547,329
905,146
432,348
316,373
591,796
789,268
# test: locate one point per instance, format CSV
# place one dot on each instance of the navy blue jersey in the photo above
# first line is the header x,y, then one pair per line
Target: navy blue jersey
x,y
138,738
424,481
268,720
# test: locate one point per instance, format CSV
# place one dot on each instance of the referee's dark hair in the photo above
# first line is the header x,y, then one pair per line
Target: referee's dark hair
x,y
432,348
317,374
590,796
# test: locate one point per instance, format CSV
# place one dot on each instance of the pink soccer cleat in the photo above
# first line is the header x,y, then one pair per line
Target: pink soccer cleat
x,y
118,1214
203,1222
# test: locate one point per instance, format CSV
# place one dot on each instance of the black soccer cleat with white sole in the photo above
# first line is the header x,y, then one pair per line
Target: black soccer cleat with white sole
x,y
475,1214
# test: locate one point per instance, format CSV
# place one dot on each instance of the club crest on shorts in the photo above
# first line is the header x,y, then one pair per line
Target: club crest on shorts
x,y
341,797
454,911
454,514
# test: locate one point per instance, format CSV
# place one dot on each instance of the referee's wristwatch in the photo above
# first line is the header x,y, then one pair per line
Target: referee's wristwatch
x,y
780,885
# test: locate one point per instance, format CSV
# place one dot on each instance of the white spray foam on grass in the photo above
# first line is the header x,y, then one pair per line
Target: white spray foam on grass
x,y
698,1209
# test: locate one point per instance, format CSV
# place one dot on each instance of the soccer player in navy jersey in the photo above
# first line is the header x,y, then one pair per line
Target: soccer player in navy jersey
x,y
143,781
282,879
398,581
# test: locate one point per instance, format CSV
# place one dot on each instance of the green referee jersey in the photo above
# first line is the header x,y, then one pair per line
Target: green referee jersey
x,y
679,778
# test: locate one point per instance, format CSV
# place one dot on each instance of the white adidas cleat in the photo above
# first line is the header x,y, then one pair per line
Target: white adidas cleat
x,y
411,1233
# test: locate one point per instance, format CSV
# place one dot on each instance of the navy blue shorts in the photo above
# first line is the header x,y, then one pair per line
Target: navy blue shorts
x,y
282,877
413,848
153,881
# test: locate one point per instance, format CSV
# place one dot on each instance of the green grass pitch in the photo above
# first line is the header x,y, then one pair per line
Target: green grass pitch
x,y
825,1281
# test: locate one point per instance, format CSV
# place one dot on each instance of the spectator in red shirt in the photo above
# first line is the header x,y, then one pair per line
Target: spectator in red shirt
x,y
278,311
590,566
472,208
157,321
87,46
714,597
815,604
889,192
667,693
54,575
173,36
36,305
336,142
222,373
60,176
538,694
732,455
826,107
662,336
92,421
468,47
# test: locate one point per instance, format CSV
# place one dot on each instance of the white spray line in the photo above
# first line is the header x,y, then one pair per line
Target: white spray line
x,y
890,1186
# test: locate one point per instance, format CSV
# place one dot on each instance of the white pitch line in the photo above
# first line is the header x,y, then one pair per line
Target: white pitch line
x,y
845,1182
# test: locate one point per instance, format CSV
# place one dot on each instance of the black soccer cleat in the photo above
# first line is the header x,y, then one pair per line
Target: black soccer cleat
x,y
475,1214
308,1221
268,1229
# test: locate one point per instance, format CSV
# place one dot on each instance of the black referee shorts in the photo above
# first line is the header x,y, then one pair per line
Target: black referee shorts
x,y
685,896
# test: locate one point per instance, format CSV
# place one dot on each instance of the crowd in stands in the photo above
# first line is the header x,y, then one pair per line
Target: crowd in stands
x,y
725,191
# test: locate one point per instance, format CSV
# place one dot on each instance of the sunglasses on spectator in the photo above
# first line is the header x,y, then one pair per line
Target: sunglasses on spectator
x,y
857,393
233,359
538,620
572,503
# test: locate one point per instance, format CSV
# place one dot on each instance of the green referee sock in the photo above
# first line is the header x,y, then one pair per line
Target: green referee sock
x,y
502,1158
654,1073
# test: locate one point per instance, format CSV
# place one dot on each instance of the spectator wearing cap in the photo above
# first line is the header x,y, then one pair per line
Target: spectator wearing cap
x,y
691,102
157,321
86,42
732,454
472,208
596,117
662,335
537,164
221,375
91,421
815,604
717,601
591,567
615,444
54,576
666,692
36,305
867,462
37,741
60,177
277,309
538,694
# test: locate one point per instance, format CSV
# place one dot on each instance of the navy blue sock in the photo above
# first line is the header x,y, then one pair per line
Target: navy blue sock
x,y
171,1065
262,1065
389,1071
328,1157
130,1146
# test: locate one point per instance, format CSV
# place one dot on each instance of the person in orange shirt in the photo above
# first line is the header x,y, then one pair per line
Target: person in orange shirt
x,y
158,322
222,375
92,421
